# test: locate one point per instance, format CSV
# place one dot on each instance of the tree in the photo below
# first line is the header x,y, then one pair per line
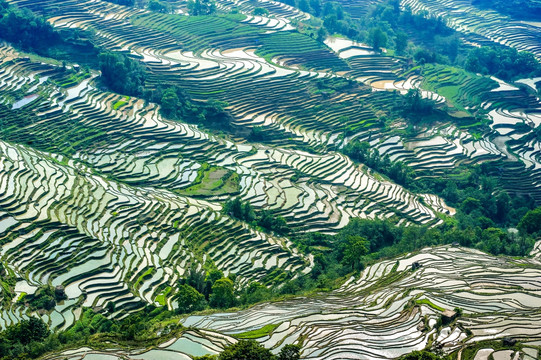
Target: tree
x,y
214,275
26,30
377,38
401,42
355,248
195,279
170,104
122,74
290,352
316,6
259,11
222,294
27,331
414,104
304,5
321,34
246,350
159,6
201,7
189,299
255,292
531,222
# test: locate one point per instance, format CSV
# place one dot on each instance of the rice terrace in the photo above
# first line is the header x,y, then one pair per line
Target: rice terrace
x,y
270,180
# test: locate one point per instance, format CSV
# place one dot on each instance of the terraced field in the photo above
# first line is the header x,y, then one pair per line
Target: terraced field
x,y
102,195
128,166
388,311
488,25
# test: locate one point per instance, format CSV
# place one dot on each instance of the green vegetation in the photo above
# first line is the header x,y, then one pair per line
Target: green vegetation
x,y
429,303
159,6
201,7
122,74
189,299
446,80
531,222
486,215
213,180
333,254
259,11
504,63
176,104
251,350
254,334
34,34
27,337
263,218
26,30
364,153
121,103
45,298
420,355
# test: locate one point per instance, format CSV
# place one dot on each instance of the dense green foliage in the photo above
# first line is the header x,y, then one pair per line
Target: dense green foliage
x,y
33,33
201,7
504,63
364,153
46,297
26,30
420,355
531,222
259,11
478,198
159,6
189,299
262,218
333,255
121,74
176,104
252,350
25,338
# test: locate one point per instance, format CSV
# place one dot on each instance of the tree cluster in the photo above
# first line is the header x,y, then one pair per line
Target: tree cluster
x,y
26,30
252,350
478,198
504,63
199,289
201,7
176,104
45,298
362,152
364,241
262,218
159,6
122,74
26,338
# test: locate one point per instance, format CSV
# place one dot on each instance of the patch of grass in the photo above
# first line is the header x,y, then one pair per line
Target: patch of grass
x,y
21,297
145,275
162,298
120,103
213,180
254,334
429,303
